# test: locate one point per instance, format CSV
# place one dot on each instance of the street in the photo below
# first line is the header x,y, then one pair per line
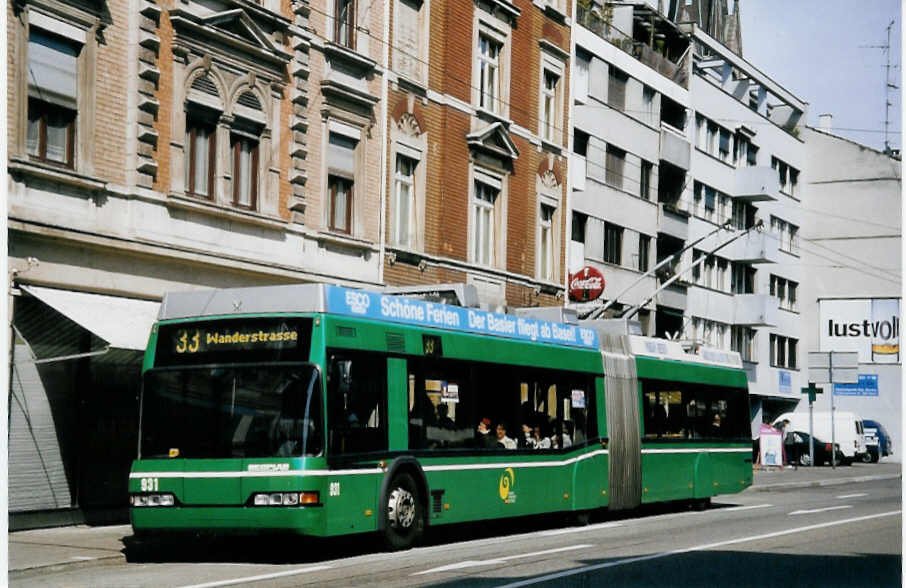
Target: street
x,y
840,535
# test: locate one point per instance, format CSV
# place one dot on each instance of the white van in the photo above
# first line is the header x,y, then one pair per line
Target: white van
x,y
848,430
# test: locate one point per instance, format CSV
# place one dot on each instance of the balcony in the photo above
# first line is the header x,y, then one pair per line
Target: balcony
x,y
754,310
754,247
672,221
673,296
676,149
757,184
644,34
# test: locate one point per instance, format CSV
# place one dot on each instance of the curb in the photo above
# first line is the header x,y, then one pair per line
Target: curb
x,y
820,483
66,565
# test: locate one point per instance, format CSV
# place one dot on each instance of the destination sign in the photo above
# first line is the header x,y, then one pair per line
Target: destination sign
x,y
265,339
430,314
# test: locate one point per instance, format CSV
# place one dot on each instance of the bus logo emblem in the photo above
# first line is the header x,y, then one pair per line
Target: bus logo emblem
x,y
358,302
507,482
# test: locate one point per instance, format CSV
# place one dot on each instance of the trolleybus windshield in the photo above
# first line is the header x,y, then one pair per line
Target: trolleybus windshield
x,y
258,410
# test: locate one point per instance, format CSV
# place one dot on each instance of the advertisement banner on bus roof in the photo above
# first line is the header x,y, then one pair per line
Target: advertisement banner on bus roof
x,y
429,314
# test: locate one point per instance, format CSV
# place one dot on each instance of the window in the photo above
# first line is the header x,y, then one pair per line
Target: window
x,y
549,106
742,340
787,234
344,23
613,243
742,278
648,103
614,164
784,351
675,410
578,227
245,170
720,275
356,402
724,145
403,201
743,215
340,193
538,409
787,175
583,62
341,155
546,243
710,201
645,181
489,73
644,252
408,51
616,88
785,292
483,206
746,154
52,97
200,152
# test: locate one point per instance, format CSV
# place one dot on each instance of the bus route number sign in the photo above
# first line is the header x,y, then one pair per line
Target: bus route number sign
x,y
431,346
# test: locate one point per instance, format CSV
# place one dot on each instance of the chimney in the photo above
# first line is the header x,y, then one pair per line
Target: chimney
x,y
826,122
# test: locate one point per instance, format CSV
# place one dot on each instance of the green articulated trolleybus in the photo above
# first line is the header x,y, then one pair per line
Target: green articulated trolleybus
x,y
321,411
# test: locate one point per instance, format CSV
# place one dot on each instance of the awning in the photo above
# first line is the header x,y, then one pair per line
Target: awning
x,y
77,323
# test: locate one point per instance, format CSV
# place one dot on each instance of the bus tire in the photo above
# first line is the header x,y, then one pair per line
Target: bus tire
x,y
701,504
581,518
404,512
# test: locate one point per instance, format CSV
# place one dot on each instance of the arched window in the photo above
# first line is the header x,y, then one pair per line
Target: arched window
x,y
202,115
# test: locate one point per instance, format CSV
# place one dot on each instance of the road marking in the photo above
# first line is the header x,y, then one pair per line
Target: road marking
x,y
844,496
569,530
82,557
751,507
817,510
235,581
631,560
487,562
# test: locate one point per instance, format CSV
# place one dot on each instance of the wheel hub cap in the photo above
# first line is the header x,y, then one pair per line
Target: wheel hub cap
x,y
401,508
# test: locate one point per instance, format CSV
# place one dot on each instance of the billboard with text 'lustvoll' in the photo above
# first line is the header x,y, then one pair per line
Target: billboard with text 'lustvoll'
x,y
869,326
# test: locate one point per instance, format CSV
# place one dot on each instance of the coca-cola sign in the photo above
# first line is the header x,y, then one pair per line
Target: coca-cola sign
x,y
586,284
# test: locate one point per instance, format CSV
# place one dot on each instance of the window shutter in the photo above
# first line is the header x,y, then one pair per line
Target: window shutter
x,y
52,65
341,154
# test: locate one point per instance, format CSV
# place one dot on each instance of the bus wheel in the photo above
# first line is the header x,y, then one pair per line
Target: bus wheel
x,y
405,514
701,504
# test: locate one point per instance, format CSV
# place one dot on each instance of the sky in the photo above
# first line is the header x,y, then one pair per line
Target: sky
x,y
817,50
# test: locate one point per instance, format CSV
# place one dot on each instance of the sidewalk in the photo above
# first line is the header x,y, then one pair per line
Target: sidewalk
x,y
82,546
778,479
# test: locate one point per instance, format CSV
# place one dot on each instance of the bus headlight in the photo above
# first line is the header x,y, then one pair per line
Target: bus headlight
x,y
165,499
285,498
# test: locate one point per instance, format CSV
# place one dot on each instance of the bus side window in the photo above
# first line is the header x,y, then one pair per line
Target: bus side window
x,y
356,403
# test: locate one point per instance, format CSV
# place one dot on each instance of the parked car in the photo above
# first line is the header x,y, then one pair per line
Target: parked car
x,y
796,446
877,441
847,430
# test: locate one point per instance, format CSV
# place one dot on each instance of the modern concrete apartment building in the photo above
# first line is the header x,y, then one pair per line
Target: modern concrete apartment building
x,y
476,167
682,148
852,257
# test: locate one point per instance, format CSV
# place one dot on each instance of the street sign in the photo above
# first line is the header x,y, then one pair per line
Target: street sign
x,y
839,367
812,391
